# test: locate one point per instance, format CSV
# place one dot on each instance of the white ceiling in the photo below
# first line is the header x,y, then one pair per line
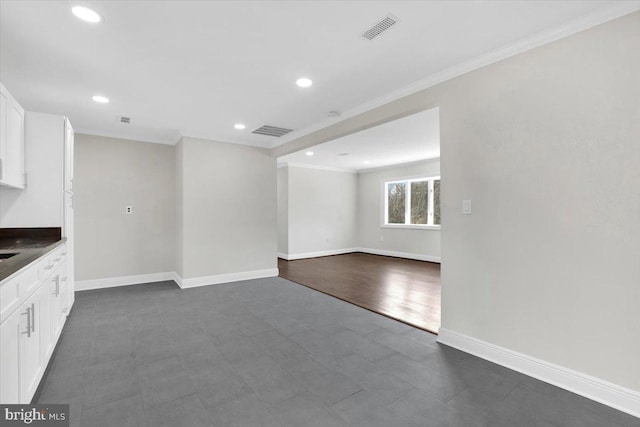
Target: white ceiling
x,y
409,139
195,68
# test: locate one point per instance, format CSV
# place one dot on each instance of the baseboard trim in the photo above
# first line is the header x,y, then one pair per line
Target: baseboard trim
x,y
418,257
613,395
112,282
194,282
383,252
291,257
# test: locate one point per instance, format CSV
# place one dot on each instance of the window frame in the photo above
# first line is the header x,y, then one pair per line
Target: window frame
x,y
407,210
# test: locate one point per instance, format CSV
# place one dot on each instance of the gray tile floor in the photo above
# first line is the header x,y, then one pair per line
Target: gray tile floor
x,y
272,353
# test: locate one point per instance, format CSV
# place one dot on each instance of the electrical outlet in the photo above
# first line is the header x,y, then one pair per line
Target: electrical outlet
x,y
128,209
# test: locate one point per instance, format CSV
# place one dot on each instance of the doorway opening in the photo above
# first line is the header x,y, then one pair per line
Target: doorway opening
x,y
359,218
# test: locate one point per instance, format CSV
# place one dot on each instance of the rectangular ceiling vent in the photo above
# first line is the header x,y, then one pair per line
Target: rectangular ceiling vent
x,y
272,131
380,27
125,120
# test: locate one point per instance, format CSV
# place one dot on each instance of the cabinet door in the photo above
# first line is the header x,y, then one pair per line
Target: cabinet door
x,y
3,135
65,298
15,146
11,140
55,309
30,346
10,358
46,299
68,155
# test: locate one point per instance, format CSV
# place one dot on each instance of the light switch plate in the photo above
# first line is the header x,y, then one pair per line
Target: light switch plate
x,y
466,207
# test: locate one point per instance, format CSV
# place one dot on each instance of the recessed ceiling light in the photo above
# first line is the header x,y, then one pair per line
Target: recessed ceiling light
x,y
101,99
239,126
304,82
86,14
309,153
366,162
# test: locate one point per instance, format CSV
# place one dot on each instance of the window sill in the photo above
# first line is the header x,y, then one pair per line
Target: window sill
x,y
412,226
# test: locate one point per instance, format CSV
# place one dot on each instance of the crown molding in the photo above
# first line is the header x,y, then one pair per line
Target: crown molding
x,y
400,165
318,167
532,42
127,137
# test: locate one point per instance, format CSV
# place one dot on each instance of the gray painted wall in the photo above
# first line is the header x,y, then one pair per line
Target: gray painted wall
x,y
283,210
322,210
229,199
545,143
370,209
109,175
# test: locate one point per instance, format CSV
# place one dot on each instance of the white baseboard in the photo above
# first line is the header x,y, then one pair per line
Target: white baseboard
x,y
111,282
85,285
618,397
291,257
226,278
396,254
419,257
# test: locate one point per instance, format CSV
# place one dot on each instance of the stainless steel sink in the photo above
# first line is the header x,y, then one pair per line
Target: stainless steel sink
x,y
6,256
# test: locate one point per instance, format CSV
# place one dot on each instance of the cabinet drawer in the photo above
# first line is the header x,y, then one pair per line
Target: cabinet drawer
x,y
50,262
9,298
28,282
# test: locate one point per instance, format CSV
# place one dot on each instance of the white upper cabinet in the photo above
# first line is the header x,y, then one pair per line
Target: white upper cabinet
x,y
11,141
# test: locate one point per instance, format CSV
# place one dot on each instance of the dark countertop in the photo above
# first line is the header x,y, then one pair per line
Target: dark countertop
x,y
29,244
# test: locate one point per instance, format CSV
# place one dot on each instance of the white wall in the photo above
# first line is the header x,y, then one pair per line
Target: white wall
x,y
420,244
40,203
283,210
322,210
109,175
229,209
179,208
545,143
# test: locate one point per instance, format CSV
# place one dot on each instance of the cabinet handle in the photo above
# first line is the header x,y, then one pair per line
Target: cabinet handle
x,y
33,317
28,331
56,290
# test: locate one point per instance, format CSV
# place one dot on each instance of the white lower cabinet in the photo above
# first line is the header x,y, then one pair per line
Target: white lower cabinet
x,y
58,302
32,343
10,359
29,334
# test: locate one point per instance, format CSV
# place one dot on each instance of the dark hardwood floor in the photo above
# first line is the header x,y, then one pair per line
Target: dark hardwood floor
x,y
405,290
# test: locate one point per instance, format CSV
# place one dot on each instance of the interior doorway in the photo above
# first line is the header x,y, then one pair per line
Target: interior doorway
x,y
359,218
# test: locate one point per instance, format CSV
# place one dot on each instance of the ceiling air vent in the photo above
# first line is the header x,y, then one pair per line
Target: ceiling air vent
x,y
380,27
272,131
125,120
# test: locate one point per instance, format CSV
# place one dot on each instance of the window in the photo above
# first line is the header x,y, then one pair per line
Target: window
x,y
412,202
